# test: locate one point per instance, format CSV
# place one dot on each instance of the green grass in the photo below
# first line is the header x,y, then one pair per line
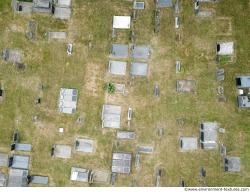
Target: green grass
x,y
48,64
224,59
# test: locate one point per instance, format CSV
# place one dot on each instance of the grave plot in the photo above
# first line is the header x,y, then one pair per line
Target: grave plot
x,y
57,35
111,116
16,145
188,143
119,88
61,151
19,162
22,6
130,135
138,5
163,3
37,179
141,52
31,31
84,145
63,13
12,55
80,174
121,22
119,51
220,74
243,85
208,1
3,180
121,162
186,86
205,12
100,176
223,26
42,6
17,178
68,100
209,135
145,149
117,67
225,52
139,69
4,158
21,147
232,164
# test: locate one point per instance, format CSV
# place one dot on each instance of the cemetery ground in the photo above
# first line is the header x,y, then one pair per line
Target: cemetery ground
x,y
180,114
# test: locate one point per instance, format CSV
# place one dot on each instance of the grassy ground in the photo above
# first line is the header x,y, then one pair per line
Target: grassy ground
x,y
90,31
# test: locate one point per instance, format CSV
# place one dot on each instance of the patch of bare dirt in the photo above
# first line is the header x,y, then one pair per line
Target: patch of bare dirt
x,y
92,75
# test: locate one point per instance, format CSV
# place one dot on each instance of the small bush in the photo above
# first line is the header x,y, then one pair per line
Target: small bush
x,y
110,88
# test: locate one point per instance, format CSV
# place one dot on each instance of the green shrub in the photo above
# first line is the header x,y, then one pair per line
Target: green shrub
x,y
110,88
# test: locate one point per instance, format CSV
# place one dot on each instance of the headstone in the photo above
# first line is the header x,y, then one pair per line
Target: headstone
x,y
222,130
156,90
35,118
16,136
38,101
132,36
222,99
31,32
113,33
119,88
137,160
145,149
196,6
182,183
20,66
205,13
203,172
158,177
61,130
113,178
157,21
160,131
134,15
220,76
80,119
220,90
178,66
1,92
177,7
130,111
223,150
69,49
178,37
177,22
